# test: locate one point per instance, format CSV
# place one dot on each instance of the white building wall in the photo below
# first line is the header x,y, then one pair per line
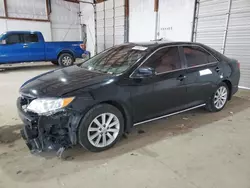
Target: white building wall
x,y
176,19
20,25
141,20
64,25
88,18
25,9
3,27
35,9
2,13
65,21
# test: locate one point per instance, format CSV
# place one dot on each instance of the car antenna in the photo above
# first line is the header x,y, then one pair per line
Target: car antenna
x,y
161,39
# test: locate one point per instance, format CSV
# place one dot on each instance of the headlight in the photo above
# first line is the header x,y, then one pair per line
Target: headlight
x,y
48,105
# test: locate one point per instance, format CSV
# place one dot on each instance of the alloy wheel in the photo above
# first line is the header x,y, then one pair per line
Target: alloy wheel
x,y
220,97
103,130
67,61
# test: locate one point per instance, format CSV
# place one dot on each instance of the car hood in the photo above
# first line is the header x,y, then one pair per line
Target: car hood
x,y
59,82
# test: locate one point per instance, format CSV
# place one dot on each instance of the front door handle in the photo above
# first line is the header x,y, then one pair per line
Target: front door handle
x,y
25,46
181,77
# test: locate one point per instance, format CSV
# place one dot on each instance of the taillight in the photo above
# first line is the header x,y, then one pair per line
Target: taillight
x,y
83,46
238,63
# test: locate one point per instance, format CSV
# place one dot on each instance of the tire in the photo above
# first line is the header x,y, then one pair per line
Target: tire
x,y
54,62
92,137
66,60
212,106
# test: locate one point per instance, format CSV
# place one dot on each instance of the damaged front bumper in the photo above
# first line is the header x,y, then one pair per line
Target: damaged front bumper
x,y
45,133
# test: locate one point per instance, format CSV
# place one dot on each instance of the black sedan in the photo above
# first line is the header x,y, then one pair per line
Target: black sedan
x,y
94,103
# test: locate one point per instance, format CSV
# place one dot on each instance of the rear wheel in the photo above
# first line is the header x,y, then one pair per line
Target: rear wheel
x,y
65,60
101,128
219,99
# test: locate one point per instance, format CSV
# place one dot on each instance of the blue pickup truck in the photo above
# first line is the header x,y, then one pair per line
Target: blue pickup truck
x,y
26,46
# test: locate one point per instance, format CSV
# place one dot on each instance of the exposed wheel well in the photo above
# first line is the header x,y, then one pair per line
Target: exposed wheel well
x,y
64,52
229,85
127,118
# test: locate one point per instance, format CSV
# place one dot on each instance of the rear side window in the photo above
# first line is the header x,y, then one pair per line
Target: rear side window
x,y
164,60
13,39
28,38
197,56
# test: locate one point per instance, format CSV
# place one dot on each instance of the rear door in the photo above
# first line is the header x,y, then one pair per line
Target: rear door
x,y
35,47
14,50
202,74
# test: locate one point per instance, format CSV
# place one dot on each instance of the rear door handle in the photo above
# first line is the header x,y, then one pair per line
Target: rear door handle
x,y
217,69
181,77
25,46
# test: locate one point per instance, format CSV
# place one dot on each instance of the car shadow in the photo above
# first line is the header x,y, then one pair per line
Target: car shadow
x,y
26,67
10,133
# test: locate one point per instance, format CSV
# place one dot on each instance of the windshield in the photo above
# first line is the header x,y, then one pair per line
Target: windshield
x,y
115,60
1,36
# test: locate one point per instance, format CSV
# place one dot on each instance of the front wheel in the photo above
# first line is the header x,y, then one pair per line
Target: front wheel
x,y
219,99
101,128
65,60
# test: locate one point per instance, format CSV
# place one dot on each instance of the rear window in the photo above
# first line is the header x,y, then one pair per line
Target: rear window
x,y
28,38
197,56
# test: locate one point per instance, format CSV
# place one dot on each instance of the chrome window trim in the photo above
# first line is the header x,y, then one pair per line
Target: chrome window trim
x,y
185,68
200,65
156,73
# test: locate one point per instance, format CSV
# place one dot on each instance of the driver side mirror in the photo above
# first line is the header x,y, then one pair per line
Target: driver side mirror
x,y
144,72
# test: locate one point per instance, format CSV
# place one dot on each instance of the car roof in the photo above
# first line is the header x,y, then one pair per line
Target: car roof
x,y
153,45
24,32
156,44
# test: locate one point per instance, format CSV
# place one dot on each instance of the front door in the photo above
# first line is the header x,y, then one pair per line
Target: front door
x,y
141,99
202,74
36,48
167,89
14,50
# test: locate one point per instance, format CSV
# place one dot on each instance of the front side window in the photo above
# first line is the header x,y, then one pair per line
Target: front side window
x,y
29,38
197,56
115,60
13,39
164,60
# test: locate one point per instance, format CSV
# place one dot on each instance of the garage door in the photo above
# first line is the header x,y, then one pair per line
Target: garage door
x,y
238,38
211,22
110,24
225,26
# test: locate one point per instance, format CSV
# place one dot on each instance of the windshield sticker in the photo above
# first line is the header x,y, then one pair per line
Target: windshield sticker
x,y
141,48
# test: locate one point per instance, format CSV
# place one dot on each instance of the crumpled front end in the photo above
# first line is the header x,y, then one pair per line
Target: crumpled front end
x,y
45,133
